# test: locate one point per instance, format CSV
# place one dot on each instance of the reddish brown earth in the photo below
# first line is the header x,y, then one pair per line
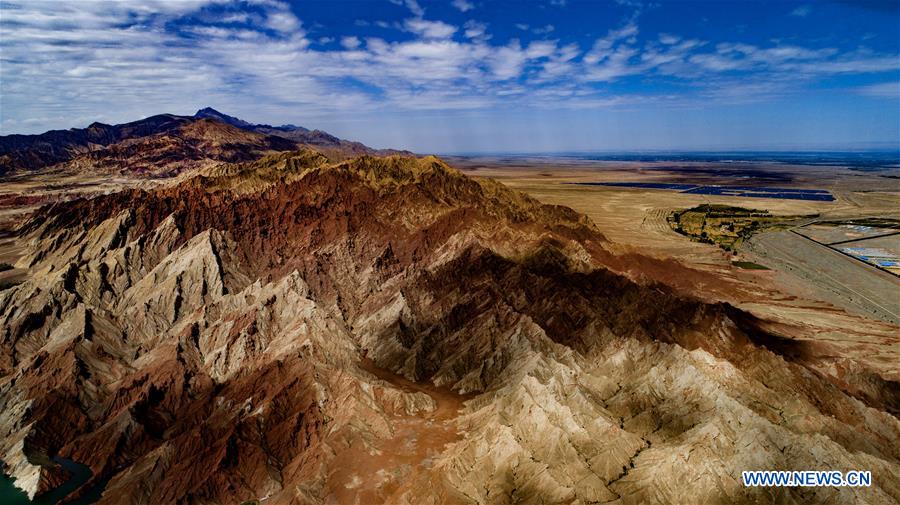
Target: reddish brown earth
x,y
299,330
385,470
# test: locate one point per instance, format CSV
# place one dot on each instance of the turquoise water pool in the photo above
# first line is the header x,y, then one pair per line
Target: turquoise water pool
x,y
11,495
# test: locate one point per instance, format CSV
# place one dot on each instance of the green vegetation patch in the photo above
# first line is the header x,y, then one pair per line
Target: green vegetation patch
x,y
724,225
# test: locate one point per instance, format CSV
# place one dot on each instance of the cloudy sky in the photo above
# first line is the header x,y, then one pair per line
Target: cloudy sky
x,y
469,75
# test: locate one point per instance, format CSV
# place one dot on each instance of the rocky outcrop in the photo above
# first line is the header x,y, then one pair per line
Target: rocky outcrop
x,y
388,330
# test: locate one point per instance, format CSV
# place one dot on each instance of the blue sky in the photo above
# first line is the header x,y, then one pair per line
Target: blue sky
x,y
469,75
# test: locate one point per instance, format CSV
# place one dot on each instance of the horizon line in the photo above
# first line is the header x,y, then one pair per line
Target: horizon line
x,y
891,149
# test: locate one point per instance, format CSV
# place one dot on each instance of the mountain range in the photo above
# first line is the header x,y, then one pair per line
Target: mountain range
x,y
161,144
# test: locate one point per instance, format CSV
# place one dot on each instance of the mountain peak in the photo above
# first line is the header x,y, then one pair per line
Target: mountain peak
x,y
34,152
210,113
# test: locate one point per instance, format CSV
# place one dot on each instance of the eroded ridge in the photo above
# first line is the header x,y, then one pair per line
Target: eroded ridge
x,y
389,330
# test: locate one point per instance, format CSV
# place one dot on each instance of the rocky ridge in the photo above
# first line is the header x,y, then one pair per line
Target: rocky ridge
x,y
316,139
389,330
164,145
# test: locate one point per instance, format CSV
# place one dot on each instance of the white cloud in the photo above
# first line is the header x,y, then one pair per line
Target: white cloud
x,y
540,30
540,49
507,61
236,17
412,5
561,63
667,39
282,21
279,16
609,57
476,30
463,5
429,29
613,37
350,42
802,11
881,90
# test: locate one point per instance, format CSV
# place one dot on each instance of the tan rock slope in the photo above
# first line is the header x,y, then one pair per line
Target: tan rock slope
x,y
387,330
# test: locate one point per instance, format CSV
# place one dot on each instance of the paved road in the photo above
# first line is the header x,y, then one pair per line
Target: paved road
x,y
842,281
